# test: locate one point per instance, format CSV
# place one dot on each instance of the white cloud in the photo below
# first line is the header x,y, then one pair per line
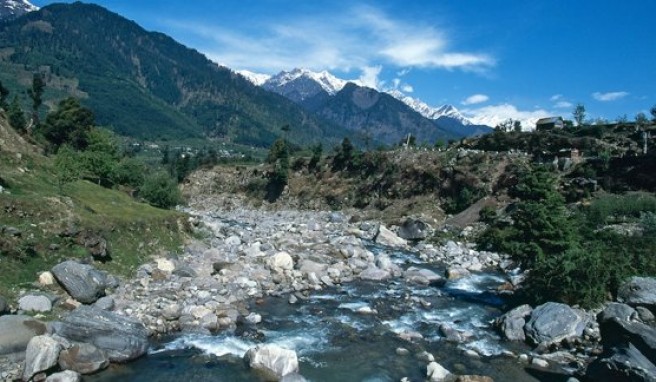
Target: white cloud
x,y
406,88
474,99
555,97
362,36
610,96
563,105
369,77
495,114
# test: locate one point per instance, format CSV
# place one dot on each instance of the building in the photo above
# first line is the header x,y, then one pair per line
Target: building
x,y
549,123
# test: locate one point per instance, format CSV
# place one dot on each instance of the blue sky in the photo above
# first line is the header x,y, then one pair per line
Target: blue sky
x,y
517,59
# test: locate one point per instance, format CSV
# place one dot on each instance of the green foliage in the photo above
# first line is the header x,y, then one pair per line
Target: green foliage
x,y
619,208
579,114
36,94
652,111
160,190
16,116
347,157
67,166
487,214
4,92
317,152
278,157
70,124
130,172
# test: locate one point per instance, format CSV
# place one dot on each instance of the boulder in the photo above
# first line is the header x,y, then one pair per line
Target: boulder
x,y
615,332
474,378
105,303
454,273
16,331
624,363
184,271
281,261
436,372
165,265
95,243
617,310
121,338
65,376
4,306
423,277
511,324
272,361
82,281
386,237
638,291
35,303
374,274
46,278
308,266
293,377
83,358
336,217
414,229
553,322
41,354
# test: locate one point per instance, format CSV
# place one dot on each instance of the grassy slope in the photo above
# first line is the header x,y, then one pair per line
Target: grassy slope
x,y
41,211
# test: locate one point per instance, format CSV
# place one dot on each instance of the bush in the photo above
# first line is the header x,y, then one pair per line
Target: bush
x,y
160,190
617,208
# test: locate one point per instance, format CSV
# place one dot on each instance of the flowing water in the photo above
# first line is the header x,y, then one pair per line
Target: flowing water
x,y
353,333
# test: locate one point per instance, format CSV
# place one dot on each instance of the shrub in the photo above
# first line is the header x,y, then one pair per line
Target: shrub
x,y
160,190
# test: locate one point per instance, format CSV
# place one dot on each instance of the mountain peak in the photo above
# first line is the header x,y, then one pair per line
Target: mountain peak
x,y
327,81
15,8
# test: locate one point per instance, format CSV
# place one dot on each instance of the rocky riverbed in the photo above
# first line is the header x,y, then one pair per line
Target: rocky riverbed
x,y
228,285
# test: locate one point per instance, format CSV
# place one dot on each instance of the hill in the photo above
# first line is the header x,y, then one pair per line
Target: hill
x,y
144,84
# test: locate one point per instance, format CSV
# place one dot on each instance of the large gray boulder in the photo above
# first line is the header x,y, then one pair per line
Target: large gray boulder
x,y
41,355
622,364
423,276
82,281
64,376
374,273
638,291
35,303
16,332
121,338
83,358
615,332
553,322
511,324
414,229
271,361
386,237
617,310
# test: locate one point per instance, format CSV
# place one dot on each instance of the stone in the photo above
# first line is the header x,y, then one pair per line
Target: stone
x,y
292,299
281,261
184,271
233,241
83,282
624,363
105,303
552,322
65,376
645,314
615,332
423,277
46,278
336,217
165,265
293,377
4,306
16,331
414,229
272,361
172,312
454,273
374,274
474,378
539,362
121,338
453,335
436,372
35,303
41,355
253,318
638,291
83,358
386,237
308,266
511,324
617,310
95,243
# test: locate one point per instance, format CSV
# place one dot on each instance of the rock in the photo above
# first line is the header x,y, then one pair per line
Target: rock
x,y
336,217
374,274
453,335
35,303
46,278
253,318
423,277
539,362
474,378
638,291
402,351
308,266
454,273
41,354
184,271
83,358
414,229
65,376
617,310
122,338
511,324
292,299
281,261
104,303
272,361
95,243
16,331
624,363
645,314
617,333
4,306
172,312
233,241
83,282
553,322
436,373
165,265
11,231
293,377
386,237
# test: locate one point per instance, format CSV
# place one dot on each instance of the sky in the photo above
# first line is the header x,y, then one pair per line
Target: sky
x,y
510,59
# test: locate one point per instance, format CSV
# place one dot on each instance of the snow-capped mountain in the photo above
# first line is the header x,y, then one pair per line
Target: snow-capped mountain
x,y
257,79
15,8
327,81
430,112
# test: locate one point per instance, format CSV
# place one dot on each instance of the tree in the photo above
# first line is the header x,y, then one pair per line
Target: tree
x,y
641,119
67,166
278,157
69,124
36,94
4,92
652,111
579,114
517,126
317,151
16,116
160,190
100,157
